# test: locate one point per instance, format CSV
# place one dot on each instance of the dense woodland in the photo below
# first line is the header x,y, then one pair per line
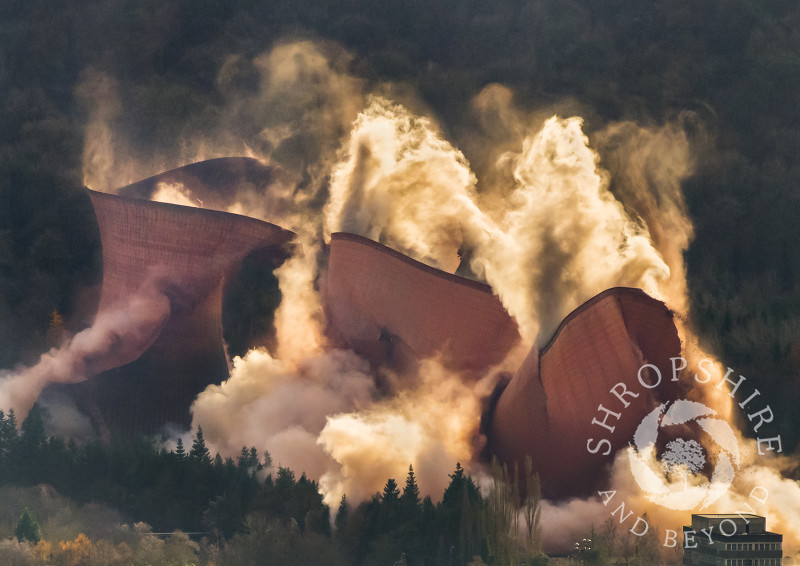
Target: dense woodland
x,y
101,503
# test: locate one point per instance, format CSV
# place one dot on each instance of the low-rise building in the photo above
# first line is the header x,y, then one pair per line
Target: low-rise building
x,y
731,540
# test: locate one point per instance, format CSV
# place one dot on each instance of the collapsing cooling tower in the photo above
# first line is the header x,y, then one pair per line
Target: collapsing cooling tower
x,y
394,310
385,306
162,254
546,411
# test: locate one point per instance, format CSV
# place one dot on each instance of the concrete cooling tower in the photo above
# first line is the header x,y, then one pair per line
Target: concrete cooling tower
x,y
166,267
547,409
394,310
174,261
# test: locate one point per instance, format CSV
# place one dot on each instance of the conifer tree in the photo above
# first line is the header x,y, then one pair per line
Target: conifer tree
x,y
3,442
342,515
199,450
179,450
27,527
253,460
389,506
391,493
244,456
33,435
8,431
410,497
11,419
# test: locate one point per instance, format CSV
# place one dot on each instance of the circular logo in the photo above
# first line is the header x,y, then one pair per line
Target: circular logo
x,y
682,458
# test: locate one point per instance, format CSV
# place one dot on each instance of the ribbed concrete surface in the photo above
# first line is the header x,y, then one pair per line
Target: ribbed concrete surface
x,y
547,409
187,254
393,309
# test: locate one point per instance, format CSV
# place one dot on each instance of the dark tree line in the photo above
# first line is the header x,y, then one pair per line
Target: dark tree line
x,y
253,512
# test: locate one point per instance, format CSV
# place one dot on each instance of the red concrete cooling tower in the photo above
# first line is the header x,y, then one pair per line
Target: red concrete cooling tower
x,y
385,306
161,256
395,310
547,409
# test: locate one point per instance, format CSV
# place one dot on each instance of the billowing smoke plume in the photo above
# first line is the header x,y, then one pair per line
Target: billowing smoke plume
x,y
558,238
647,166
289,107
431,425
282,405
98,92
565,237
759,488
400,182
403,185
116,334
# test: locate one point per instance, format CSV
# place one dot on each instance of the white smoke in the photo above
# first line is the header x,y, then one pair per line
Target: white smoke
x,y
430,426
759,488
558,238
402,184
565,237
175,193
115,335
282,406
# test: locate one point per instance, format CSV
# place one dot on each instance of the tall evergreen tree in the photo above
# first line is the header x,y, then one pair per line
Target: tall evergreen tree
x,y
410,497
244,457
27,527
179,450
342,515
199,449
389,516
33,435
252,461
3,441
11,423
391,493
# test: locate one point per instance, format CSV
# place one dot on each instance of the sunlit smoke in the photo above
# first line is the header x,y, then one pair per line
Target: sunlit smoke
x,y
282,405
116,336
647,166
98,92
175,193
559,238
400,182
403,185
564,237
289,107
299,320
430,425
